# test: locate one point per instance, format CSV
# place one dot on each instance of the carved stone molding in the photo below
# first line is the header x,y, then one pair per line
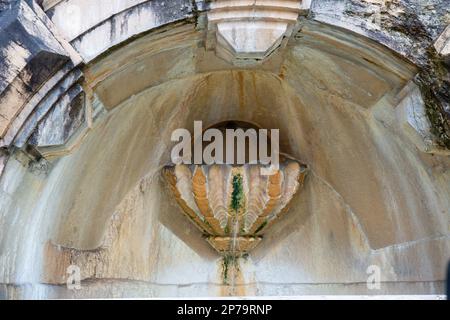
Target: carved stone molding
x,y
246,31
38,66
29,55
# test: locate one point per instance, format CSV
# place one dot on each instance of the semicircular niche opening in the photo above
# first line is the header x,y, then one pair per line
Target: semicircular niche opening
x,y
232,202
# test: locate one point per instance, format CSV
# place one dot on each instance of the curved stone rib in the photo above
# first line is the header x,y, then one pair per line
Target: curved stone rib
x,y
177,184
257,198
200,190
217,180
273,191
290,187
294,177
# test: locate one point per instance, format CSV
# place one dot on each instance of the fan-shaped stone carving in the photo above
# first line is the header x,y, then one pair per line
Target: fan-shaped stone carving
x,y
233,205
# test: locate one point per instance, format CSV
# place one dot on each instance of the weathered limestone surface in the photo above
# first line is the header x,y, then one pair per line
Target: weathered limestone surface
x,y
397,24
411,114
62,121
34,59
56,96
335,203
86,144
29,55
406,26
410,28
96,26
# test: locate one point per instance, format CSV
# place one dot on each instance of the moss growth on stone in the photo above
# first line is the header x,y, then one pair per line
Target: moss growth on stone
x,y
226,261
435,87
432,78
237,196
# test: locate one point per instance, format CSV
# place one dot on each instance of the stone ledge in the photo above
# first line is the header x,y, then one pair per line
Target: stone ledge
x,y
124,288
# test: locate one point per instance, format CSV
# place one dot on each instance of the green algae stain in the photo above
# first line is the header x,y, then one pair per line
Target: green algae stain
x,y
237,196
227,262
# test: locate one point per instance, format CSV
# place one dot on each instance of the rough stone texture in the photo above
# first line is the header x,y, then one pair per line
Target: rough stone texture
x,y
29,55
410,28
397,24
434,81
402,25
360,167
54,96
372,198
63,120
111,22
42,63
411,114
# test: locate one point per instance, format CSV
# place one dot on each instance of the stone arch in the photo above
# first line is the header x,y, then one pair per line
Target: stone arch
x,y
86,145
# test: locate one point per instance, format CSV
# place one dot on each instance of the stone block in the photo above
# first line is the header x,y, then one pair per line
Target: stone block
x,y
29,55
249,31
62,121
411,114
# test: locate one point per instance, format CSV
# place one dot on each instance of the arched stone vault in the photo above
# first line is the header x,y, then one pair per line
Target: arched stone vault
x,y
86,144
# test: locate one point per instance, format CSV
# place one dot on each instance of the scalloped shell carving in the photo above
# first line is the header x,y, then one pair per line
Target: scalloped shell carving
x,y
233,205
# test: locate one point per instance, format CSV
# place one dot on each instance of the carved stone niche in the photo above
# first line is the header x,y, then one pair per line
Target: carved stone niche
x,y
234,205
248,31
